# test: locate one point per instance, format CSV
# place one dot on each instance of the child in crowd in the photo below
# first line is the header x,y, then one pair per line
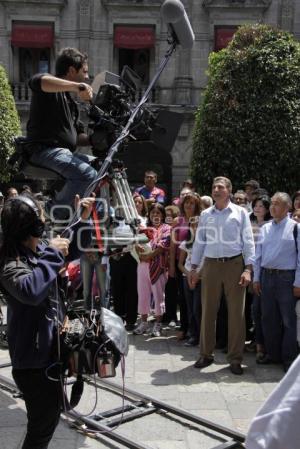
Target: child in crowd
x,y
152,270
192,296
171,213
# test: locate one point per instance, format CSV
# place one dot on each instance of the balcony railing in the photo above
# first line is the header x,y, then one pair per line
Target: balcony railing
x,y
21,92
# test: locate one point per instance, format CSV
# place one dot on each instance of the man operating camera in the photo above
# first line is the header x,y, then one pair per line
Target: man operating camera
x,y
53,128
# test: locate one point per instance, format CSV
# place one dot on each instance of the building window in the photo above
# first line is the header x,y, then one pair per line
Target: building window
x,y
33,42
223,35
134,44
33,60
137,60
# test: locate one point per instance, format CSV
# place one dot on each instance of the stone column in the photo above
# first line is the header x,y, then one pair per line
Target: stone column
x,y
287,15
84,10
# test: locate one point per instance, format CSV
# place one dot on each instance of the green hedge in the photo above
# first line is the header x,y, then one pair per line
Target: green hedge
x,y
9,124
248,125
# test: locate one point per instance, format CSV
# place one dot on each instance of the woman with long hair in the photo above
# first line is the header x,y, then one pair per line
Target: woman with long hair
x,y
141,207
190,207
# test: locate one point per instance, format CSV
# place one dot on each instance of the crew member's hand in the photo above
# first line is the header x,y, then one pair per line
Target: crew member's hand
x,y
257,288
85,92
86,204
61,244
297,292
245,279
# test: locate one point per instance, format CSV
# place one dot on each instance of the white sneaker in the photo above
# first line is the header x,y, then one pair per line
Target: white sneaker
x,y
142,328
172,324
156,331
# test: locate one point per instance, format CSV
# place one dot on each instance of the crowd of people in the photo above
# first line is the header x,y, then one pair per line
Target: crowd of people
x,y
222,270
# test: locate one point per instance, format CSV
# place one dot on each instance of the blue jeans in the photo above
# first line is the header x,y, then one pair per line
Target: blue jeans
x,y
193,304
88,265
278,315
73,167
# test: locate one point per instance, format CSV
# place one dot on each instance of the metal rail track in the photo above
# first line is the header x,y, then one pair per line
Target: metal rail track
x,y
103,423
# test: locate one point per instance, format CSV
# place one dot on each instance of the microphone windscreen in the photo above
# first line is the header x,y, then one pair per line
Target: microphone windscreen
x,y
174,14
172,11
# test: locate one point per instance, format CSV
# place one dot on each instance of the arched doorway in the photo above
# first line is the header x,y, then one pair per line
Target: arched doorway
x,y
142,156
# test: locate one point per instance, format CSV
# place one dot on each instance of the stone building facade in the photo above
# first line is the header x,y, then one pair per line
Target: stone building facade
x,y
118,32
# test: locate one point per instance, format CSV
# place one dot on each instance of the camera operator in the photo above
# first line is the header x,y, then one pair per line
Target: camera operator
x,y
53,129
29,277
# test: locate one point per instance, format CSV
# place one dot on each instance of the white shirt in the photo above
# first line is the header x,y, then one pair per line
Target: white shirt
x,y
276,424
224,233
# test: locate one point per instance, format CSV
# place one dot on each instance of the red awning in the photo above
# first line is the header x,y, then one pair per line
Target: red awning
x,y
134,37
223,36
29,35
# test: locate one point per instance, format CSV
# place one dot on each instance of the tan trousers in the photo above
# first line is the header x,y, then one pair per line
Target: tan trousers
x,y
216,276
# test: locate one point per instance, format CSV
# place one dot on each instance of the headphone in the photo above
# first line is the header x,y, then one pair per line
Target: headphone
x,y
36,229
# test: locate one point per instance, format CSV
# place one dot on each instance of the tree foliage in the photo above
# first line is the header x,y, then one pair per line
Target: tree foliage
x,y
9,124
248,125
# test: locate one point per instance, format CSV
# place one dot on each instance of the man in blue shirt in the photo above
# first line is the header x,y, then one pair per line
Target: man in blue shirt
x,y
276,273
149,191
224,247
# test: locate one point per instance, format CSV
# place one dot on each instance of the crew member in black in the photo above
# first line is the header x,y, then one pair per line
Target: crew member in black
x,y
53,126
29,276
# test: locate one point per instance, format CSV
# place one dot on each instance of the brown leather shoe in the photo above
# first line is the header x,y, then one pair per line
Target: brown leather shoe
x,y
203,362
236,368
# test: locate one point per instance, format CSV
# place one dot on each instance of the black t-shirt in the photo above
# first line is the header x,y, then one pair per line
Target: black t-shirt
x,y
52,116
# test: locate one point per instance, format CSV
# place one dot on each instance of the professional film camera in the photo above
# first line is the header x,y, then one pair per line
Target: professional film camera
x,y
112,107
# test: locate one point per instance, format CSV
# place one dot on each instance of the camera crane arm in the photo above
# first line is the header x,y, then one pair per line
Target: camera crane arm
x,y
181,32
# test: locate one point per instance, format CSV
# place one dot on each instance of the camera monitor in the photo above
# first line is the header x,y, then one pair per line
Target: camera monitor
x,y
130,78
166,128
101,79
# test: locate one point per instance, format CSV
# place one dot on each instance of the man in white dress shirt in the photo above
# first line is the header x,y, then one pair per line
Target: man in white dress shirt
x,y
224,246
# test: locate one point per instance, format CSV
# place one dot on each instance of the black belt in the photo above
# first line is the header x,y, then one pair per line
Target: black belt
x,y
223,259
276,270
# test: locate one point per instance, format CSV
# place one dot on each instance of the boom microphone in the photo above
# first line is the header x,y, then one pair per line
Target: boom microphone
x,y
174,15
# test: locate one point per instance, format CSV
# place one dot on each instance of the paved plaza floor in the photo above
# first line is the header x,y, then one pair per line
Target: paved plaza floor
x,y
162,368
